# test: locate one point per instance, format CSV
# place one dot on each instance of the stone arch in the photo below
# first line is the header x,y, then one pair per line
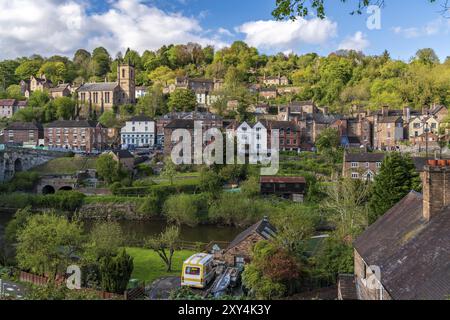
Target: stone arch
x,y
48,189
18,165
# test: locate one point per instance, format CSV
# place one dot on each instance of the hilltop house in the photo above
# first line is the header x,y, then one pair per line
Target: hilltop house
x,y
405,255
61,90
274,80
8,107
206,90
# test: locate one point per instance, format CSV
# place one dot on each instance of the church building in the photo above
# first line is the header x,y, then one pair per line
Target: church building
x,y
102,96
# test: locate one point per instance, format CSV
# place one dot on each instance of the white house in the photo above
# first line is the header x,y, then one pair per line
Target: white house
x,y
252,141
140,131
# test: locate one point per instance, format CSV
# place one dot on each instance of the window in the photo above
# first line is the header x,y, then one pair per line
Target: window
x,y
123,73
367,165
355,164
107,97
355,175
378,164
192,271
239,261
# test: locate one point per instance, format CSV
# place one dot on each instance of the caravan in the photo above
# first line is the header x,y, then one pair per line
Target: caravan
x,y
198,271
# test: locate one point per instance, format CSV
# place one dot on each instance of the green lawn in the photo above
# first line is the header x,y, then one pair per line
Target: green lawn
x,y
66,165
148,266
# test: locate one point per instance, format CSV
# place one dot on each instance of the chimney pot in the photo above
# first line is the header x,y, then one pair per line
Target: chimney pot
x,y
432,163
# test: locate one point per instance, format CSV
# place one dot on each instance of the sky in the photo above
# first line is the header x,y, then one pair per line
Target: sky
x,y
49,27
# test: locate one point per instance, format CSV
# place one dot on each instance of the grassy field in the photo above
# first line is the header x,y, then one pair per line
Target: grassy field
x,y
66,165
148,266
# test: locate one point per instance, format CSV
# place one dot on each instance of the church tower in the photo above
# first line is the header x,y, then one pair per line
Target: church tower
x,y
126,79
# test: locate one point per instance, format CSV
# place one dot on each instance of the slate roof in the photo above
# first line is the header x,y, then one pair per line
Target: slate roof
x,y
101,86
141,118
413,254
181,124
347,287
24,126
59,88
419,162
390,119
263,228
281,125
72,124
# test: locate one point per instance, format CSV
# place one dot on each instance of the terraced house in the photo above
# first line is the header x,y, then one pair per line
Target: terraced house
x,y
76,135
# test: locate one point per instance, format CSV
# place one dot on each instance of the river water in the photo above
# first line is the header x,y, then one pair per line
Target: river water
x,y
139,230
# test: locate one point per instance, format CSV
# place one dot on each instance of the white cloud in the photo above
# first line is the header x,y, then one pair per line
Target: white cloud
x,y
60,27
430,29
356,42
287,34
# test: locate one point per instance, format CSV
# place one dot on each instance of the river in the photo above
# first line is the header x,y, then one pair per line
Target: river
x,y
138,230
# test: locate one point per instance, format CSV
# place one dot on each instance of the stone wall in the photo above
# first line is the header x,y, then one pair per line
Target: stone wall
x,y
110,211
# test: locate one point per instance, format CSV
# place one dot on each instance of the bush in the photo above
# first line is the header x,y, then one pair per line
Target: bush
x,y
22,181
186,209
150,207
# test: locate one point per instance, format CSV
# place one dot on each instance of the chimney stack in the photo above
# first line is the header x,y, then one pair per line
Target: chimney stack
x,y
436,187
385,111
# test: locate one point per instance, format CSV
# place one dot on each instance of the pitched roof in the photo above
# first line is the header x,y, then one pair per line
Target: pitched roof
x,y
24,126
263,228
419,162
390,119
141,118
100,86
413,254
123,154
181,124
7,102
61,87
73,124
364,157
268,179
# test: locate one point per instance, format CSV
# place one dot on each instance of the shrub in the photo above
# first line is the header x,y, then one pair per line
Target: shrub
x,y
186,209
150,207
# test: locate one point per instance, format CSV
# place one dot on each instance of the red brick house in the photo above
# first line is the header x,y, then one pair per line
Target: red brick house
x,y
25,133
77,135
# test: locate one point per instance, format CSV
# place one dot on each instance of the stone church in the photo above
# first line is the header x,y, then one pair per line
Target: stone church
x,y
102,96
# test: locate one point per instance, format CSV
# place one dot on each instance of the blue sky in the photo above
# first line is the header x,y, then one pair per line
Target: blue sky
x,y
406,26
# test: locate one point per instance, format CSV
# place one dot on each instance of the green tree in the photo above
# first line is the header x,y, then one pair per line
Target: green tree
x,y
14,92
38,99
109,119
292,9
165,245
185,209
47,243
105,239
170,170
162,75
153,103
27,69
210,182
55,71
65,107
116,272
182,100
15,226
397,177
109,169
328,140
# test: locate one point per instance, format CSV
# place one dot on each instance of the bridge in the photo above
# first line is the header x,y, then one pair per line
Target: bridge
x,y
15,159
52,183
